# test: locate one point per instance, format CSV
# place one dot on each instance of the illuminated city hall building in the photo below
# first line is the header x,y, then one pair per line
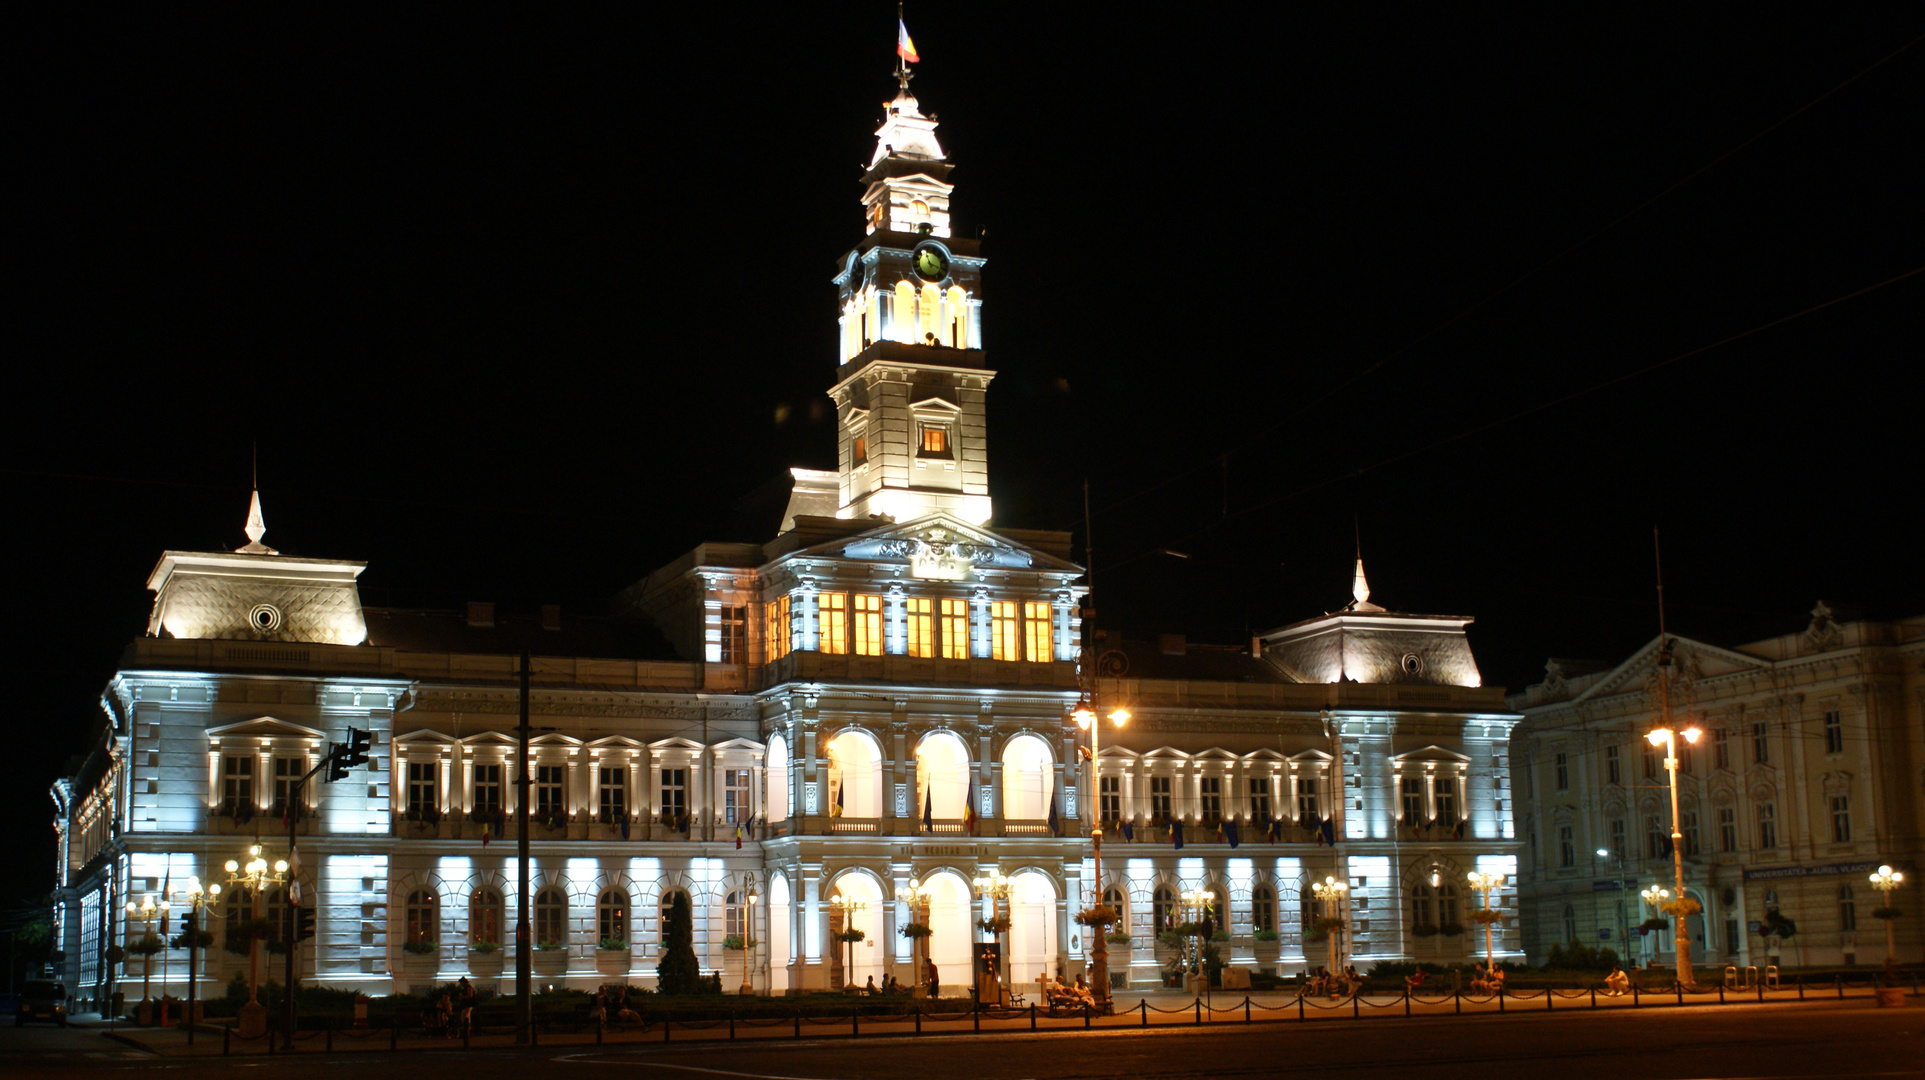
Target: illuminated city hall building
x,y
1808,775
797,734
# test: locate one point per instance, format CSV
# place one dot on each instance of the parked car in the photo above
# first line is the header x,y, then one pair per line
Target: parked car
x,y
41,999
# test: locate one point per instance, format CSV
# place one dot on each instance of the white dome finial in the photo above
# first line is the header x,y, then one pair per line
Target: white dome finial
x,y
1360,588
256,528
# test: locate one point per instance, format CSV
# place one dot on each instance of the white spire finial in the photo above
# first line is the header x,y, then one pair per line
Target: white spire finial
x,y
1360,588
256,528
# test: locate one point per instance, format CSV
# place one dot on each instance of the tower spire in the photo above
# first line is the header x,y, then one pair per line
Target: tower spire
x,y
256,522
1359,587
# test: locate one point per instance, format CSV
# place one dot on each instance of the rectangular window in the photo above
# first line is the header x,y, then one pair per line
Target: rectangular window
x,y
548,788
674,793
1260,798
935,440
860,453
832,610
488,789
1840,819
1004,631
1690,831
1413,797
1210,798
1847,909
735,797
1721,749
1650,762
867,620
1760,744
1566,846
421,785
1613,766
1834,732
1656,839
734,635
1617,837
1112,797
1727,829
1307,802
1038,642
776,627
237,782
614,789
1563,771
1447,799
1160,797
1768,827
922,626
955,629
287,772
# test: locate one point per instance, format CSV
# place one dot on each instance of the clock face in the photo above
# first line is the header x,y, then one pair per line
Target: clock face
x,y
931,264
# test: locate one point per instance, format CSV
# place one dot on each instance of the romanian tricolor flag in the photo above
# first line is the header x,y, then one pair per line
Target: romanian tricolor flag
x,y
969,811
904,47
738,838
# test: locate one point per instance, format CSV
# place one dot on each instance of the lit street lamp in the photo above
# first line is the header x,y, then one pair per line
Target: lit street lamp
x,y
1196,907
192,926
1656,897
1330,894
848,906
1885,881
748,940
917,898
147,913
1682,908
1624,930
255,876
1487,884
1085,717
995,887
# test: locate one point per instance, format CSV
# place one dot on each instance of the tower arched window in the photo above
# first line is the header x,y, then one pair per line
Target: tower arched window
x,y
956,318
902,317
928,317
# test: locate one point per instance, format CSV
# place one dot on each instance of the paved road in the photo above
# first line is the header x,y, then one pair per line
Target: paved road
x,y
1848,1039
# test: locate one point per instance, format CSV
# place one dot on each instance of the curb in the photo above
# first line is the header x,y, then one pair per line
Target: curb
x,y
129,1040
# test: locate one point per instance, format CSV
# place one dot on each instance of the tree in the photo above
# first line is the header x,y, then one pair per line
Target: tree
x,y
677,972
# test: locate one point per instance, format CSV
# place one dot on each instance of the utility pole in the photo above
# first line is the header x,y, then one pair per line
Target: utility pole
x,y
524,954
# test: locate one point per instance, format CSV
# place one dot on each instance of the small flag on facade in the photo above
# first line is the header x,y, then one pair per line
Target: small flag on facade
x,y
738,838
1176,834
1230,832
624,826
1129,832
1054,829
1328,835
969,811
836,810
929,810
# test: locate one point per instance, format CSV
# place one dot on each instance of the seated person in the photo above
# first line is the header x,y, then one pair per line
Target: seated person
x,y
1480,980
871,988
1414,980
1617,983
1497,978
889,983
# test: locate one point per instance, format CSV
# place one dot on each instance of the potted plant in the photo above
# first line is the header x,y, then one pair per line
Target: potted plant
x,y
1118,937
1451,929
484,958
1321,926
612,956
550,957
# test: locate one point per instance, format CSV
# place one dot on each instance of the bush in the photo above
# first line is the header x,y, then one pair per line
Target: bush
x,y
1265,935
1117,937
850,936
1653,923
424,947
733,943
914,930
484,946
1099,916
612,944
1578,956
145,945
678,972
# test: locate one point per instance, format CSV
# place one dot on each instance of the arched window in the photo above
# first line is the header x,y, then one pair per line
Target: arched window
x,y
1263,907
1029,779
424,916
1423,906
775,783
1113,897
668,903
484,918
1449,911
611,917
732,915
931,304
1306,907
942,777
1163,909
551,919
855,775
902,314
956,315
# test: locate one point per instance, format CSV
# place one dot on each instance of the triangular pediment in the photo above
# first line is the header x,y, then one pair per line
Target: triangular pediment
x,y
1693,658
266,727
937,546
1435,753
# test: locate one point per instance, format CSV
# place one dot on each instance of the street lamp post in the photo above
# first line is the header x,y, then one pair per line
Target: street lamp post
x,y
1487,884
198,901
1086,718
916,897
848,906
1681,908
1656,898
995,887
1196,907
1885,881
748,941
255,876
1624,929
1330,894
147,912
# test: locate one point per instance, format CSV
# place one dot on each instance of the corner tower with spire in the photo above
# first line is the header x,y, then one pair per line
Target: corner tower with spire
x,y
911,380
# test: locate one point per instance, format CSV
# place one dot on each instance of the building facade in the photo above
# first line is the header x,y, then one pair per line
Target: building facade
x,y
1809,774
791,733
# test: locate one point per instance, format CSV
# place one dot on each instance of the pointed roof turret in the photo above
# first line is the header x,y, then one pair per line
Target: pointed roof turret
x,y
1360,590
256,528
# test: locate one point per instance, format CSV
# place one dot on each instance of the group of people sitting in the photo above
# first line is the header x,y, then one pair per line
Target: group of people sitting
x,y
1058,994
450,1014
891,986
1486,980
1322,982
610,1006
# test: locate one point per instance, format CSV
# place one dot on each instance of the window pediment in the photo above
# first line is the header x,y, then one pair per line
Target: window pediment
x,y
265,727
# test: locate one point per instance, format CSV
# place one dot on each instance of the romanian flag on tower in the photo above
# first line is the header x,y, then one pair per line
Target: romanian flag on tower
x,y
905,48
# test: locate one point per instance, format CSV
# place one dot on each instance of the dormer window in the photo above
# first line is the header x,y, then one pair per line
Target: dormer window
x,y
859,453
935,440
919,208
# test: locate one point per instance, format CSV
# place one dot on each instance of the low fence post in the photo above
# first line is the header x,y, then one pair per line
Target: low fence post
x,y
1144,1008
394,1033
1839,981
976,1016
330,1040
1246,1008
1406,1001
798,1023
1761,989
225,1048
464,1036
1199,1012
1634,993
1356,1012
918,1019
1457,1001
1549,998
1032,1016
855,1022
1500,998
731,1026
1801,988
1086,1012
1721,993
1679,987
667,1025
600,1023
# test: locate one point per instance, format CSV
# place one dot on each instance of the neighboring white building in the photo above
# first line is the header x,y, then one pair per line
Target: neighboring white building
x,y
1810,773
879,695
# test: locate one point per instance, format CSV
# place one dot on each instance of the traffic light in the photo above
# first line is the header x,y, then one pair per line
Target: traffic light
x,y
358,744
303,923
337,764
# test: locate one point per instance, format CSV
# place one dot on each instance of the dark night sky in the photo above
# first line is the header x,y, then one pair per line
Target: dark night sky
x,y
517,308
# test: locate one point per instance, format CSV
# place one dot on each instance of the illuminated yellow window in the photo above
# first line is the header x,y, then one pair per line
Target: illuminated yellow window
x,y
919,208
860,453
777,629
833,613
872,323
935,439
931,306
1036,635
902,319
868,625
1005,631
956,315
955,629
922,627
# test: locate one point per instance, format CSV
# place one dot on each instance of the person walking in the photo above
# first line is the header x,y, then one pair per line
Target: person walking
x,y
935,983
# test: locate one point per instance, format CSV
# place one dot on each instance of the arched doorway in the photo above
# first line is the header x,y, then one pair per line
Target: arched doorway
x,y
951,927
779,953
867,954
855,775
1032,926
942,777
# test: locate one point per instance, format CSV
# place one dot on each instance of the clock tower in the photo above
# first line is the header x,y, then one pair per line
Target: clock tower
x,y
911,381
